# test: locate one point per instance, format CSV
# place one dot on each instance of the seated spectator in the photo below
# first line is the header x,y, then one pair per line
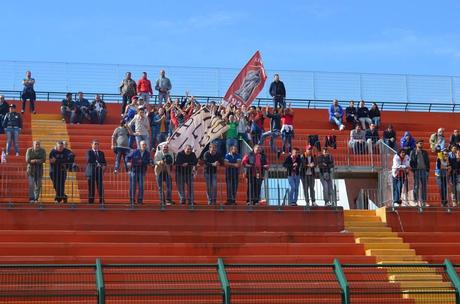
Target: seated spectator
x,y
336,114
374,115
453,151
82,107
407,142
438,141
372,137
389,137
455,138
98,110
68,110
4,109
363,115
351,114
357,140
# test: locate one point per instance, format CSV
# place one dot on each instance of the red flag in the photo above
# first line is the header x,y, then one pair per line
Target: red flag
x,y
248,84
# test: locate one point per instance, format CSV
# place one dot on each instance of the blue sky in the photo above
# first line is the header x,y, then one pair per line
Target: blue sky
x,y
412,36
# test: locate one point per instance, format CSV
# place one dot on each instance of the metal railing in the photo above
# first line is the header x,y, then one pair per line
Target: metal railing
x,y
299,103
407,90
224,283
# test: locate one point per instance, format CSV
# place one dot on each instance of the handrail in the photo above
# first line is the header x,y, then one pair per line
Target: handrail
x,y
296,102
224,280
100,282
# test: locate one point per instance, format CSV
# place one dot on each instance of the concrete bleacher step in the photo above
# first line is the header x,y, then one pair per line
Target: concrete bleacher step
x,y
379,240
398,258
390,251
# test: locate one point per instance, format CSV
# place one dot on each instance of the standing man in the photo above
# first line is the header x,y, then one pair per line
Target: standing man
x,y
4,109
326,165
28,92
144,88
12,123
163,86
420,165
232,163
278,92
307,176
163,161
95,172
255,164
35,158
141,126
120,144
185,166
138,161
128,89
212,160
61,160
293,163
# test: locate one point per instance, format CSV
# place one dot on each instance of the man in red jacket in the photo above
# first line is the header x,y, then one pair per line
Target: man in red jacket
x,y
144,88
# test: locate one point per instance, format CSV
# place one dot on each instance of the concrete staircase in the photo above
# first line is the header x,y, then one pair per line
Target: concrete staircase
x,y
370,229
48,129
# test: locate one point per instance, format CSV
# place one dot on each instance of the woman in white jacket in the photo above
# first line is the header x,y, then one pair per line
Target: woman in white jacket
x,y
399,170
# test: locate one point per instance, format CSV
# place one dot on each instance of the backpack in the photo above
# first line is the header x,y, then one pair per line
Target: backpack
x,y
330,141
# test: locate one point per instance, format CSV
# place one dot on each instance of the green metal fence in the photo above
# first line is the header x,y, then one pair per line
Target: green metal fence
x,y
227,283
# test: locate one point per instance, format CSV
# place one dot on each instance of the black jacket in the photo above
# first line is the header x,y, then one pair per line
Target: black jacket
x,y
325,163
363,112
277,89
12,120
305,163
95,163
275,121
413,159
4,108
292,165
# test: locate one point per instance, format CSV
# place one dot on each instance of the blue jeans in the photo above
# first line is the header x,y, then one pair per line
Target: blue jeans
x,y
120,152
442,184
136,179
294,182
181,180
211,187
164,177
145,138
273,135
376,121
154,137
286,139
12,137
420,185
231,142
231,180
336,121
398,183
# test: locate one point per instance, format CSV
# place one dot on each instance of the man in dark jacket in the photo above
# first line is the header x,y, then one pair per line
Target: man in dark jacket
x,y
4,109
186,161
95,171
420,165
212,160
275,129
61,160
137,161
12,123
293,165
326,165
255,164
307,176
278,92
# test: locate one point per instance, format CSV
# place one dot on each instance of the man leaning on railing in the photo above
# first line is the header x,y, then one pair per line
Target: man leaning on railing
x,y
35,158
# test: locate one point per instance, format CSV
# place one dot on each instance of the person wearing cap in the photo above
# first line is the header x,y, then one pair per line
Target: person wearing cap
x,y
35,158
307,175
141,126
407,142
144,88
61,160
326,166
438,141
28,92
94,172
420,165
163,86
12,123
128,89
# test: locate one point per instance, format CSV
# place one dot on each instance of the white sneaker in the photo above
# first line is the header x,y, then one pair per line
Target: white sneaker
x,y
342,127
17,154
